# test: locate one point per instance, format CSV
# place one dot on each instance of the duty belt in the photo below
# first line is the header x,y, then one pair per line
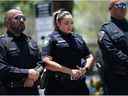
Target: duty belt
x,y
13,84
60,76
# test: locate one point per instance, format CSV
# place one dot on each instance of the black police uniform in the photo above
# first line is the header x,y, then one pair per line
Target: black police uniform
x,y
17,55
67,50
113,42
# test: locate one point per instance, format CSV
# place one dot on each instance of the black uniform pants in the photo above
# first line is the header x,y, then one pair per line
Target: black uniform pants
x,y
2,89
21,91
116,85
66,87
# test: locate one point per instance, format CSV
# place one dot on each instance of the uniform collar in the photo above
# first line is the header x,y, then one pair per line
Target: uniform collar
x,y
122,24
118,21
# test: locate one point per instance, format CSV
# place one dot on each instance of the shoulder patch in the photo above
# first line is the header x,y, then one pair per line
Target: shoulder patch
x,y
106,23
46,41
101,35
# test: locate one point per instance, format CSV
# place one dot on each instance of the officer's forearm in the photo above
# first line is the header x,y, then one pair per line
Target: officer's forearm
x,y
54,66
90,62
15,72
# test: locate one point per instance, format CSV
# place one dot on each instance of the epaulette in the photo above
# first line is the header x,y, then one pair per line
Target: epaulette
x,y
75,34
106,23
54,35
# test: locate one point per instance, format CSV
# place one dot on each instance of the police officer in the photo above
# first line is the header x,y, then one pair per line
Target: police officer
x,y
62,57
113,42
18,57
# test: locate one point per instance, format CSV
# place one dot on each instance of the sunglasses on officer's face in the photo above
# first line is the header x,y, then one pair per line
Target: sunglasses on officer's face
x,y
20,18
121,5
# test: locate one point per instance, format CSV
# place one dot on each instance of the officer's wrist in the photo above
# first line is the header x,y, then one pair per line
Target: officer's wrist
x,y
85,70
68,71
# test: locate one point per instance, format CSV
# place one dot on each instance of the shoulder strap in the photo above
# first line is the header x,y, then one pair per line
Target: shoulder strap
x,y
56,36
113,31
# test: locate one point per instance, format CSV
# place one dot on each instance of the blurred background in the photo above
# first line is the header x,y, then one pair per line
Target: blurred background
x,y
89,15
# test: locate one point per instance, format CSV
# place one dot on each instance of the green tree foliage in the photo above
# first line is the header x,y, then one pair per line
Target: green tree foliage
x,y
89,15
25,5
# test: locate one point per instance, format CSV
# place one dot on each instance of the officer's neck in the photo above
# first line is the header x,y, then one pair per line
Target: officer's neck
x,y
17,35
117,19
122,24
64,33
13,34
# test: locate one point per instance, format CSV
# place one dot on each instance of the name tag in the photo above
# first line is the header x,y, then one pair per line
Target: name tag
x,y
11,49
62,41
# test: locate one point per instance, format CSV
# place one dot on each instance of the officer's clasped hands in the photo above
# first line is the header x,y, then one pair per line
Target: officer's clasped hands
x,y
33,76
82,70
77,73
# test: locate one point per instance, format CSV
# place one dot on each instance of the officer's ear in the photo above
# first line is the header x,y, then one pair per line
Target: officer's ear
x,y
58,23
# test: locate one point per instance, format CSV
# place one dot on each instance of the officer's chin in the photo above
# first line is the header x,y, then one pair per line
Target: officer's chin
x,y
68,32
121,17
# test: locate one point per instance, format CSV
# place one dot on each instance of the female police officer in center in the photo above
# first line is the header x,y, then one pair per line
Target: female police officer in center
x,y
62,57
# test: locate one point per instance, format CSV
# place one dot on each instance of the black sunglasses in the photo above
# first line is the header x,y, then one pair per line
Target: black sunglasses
x,y
121,5
20,18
